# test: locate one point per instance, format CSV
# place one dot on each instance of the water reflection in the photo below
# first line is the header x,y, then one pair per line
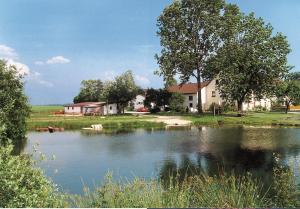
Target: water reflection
x,y
158,153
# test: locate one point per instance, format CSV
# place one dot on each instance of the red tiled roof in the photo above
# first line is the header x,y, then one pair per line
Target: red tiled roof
x,y
82,104
188,88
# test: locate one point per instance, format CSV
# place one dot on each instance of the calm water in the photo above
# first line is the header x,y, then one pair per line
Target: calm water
x,y
83,157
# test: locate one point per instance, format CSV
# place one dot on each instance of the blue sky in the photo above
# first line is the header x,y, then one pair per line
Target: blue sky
x,y
61,42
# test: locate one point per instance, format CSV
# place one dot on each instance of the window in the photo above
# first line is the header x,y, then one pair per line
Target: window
x,y
191,104
213,94
110,107
217,82
72,108
190,98
68,108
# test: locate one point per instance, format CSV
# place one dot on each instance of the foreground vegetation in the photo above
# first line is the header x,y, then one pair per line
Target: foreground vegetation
x,y
23,185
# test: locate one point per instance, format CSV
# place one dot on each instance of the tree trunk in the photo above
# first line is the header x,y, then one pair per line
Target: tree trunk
x,y
287,105
240,106
200,110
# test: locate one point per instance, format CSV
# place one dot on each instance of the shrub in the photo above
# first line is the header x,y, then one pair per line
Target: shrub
x,y
259,109
215,107
22,185
229,107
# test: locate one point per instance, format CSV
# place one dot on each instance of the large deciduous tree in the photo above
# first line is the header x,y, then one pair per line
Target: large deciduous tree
x,y
251,58
121,90
288,90
160,97
189,34
14,108
90,91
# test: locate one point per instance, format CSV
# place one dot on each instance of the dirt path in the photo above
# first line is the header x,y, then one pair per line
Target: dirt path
x,y
171,120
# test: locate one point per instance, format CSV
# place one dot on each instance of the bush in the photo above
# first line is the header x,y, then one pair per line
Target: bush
x,y
215,107
176,102
260,109
228,107
155,110
22,185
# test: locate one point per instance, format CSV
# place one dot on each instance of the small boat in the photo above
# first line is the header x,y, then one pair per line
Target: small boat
x,y
50,129
97,127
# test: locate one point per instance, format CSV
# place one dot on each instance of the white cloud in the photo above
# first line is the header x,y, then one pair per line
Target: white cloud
x,y
39,63
142,80
7,52
20,67
58,60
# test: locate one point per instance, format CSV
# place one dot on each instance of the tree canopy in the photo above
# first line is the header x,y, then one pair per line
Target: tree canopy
x,y
189,32
90,91
288,90
160,97
14,108
121,90
251,58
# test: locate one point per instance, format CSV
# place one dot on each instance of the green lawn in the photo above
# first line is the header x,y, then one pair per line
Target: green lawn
x,y
43,116
253,118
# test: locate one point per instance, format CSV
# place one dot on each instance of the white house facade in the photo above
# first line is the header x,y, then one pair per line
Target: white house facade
x,y
91,108
138,102
211,95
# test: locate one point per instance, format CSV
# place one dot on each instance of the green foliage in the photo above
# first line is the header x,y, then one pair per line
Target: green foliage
x,y
90,91
22,185
176,102
14,107
284,191
160,97
251,59
197,191
288,90
122,90
189,32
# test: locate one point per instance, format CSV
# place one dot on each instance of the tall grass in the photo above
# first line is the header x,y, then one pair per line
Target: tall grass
x,y
197,191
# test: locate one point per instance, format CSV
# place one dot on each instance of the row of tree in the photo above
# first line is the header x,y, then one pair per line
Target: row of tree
x,y
121,90
208,39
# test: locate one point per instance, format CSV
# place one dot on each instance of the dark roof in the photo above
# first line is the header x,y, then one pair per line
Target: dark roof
x,y
83,104
188,88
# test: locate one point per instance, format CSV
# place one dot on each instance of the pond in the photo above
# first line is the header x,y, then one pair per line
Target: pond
x,y
84,158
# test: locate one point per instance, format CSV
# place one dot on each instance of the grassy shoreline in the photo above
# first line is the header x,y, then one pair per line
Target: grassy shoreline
x,y
43,116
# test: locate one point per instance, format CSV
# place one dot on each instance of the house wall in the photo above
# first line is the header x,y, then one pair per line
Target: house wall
x,y
210,88
138,102
252,104
72,110
110,109
194,102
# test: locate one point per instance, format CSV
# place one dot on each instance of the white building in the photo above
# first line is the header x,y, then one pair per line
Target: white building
x,y
210,95
138,102
91,108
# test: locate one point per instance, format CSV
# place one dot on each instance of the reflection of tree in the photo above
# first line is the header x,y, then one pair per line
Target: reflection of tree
x,y
170,172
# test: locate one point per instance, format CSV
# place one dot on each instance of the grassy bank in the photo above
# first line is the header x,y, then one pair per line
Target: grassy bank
x,y
43,116
251,118
196,191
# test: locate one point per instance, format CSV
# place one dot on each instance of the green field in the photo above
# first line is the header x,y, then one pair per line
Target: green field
x,y
43,116
253,118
